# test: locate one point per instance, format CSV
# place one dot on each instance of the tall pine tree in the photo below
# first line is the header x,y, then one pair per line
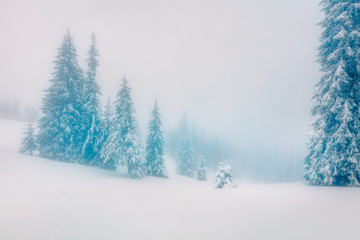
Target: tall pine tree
x,y
123,146
110,152
91,146
185,161
61,127
106,128
333,157
155,145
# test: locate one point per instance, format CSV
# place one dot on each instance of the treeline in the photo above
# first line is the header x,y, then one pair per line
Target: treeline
x,y
187,137
11,110
73,128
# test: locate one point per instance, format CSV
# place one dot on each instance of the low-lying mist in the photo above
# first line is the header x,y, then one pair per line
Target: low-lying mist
x,y
242,74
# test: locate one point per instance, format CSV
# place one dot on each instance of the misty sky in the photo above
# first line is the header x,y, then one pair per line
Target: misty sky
x,y
242,69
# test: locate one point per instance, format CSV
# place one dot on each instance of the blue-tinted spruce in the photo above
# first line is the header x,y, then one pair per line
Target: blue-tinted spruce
x,y
131,146
91,146
224,176
155,145
28,144
201,173
110,152
133,156
185,161
106,127
123,146
333,157
61,127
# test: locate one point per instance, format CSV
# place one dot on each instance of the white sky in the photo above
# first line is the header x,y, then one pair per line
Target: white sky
x,y
240,68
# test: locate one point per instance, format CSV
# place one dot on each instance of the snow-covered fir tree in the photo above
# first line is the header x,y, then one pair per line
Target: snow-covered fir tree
x,y
155,145
133,155
91,146
107,115
28,144
110,152
333,156
185,161
106,126
201,173
224,176
123,146
61,126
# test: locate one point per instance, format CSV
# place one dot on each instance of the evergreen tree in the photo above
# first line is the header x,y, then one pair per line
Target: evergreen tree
x,y
107,116
185,161
123,146
28,144
60,128
155,145
106,128
110,152
333,156
224,176
201,173
133,155
131,147
91,145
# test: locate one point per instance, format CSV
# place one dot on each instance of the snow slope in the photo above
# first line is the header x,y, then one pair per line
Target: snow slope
x,y
43,199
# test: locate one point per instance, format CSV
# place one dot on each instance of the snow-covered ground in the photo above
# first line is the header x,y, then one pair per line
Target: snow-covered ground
x,y
43,199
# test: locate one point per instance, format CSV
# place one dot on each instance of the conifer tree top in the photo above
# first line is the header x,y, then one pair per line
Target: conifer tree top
x,y
92,58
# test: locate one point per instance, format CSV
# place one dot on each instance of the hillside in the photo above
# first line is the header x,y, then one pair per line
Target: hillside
x,y
43,199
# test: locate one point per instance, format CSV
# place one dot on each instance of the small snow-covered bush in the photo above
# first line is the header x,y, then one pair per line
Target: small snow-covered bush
x,y
224,176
